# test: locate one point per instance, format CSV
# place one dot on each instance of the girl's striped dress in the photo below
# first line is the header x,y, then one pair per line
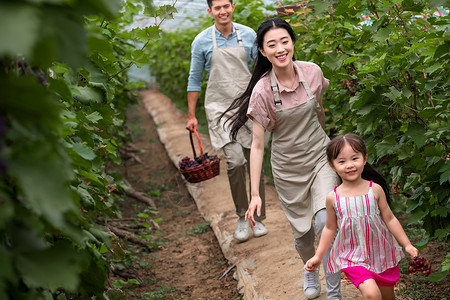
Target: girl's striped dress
x,y
363,238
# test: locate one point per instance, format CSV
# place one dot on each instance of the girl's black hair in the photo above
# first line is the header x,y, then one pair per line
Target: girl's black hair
x,y
262,66
357,143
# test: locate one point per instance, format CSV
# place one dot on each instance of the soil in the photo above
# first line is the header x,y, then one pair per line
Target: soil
x,y
187,261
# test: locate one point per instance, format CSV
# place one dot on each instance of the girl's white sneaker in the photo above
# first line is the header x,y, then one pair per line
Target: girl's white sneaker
x,y
311,287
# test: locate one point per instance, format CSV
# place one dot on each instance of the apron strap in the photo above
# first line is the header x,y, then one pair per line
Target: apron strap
x,y
237,34
275,90
305,84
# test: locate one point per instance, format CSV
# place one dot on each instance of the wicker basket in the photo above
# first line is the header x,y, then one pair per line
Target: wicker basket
x,y
205,171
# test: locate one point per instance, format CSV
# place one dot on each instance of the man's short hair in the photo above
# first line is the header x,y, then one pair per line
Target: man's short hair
x,y
210,2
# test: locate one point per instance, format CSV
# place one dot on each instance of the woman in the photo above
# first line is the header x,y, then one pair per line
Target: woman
x,y
284,97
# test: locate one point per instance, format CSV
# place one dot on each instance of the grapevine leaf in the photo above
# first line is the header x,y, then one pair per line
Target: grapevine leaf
x,y
437,276
83,151
59,86
320,7
22,22
417,134
87,94
53,268
387,146
144,34
6,272
109,8
94,117
382,35
445,173
103,47
417,216
422,243
17,96
61,30
393,93
84,195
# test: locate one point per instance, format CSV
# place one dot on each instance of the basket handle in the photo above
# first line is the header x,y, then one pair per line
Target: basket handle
x,y
199,145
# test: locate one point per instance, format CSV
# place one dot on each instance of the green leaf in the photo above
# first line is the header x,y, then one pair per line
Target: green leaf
x,y
18,97
60,87
417,133
387,146
94,117
382,35
54,268
166,12
84,194
19,32
83,151
320,7
103,47
394,94
422,243
417,216
43,177
445,173
437,276
87,94
433,68
61,29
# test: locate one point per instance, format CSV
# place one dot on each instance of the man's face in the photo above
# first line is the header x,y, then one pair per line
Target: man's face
x,y
221,11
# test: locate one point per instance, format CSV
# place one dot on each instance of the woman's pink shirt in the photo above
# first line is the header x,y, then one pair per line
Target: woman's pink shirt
x,y
262,107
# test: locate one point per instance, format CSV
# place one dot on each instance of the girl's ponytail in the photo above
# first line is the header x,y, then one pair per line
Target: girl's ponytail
x,y
369,173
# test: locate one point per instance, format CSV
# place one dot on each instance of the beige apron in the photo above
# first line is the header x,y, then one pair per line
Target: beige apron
x,y
228,78
300,169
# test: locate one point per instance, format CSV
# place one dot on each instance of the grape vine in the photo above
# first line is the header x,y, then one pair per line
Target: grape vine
x,y
63,92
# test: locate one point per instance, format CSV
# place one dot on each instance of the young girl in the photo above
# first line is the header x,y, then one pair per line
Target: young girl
x,y
364,248
284,96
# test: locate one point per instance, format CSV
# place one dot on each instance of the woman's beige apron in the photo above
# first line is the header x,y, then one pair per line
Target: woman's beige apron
x,y
228,79
300,169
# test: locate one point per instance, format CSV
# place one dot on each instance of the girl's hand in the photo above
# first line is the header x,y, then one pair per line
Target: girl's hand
x,y
412,251
312,264
255,204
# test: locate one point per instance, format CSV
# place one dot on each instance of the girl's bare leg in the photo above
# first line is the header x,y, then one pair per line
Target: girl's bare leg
x,y
387,292
369,290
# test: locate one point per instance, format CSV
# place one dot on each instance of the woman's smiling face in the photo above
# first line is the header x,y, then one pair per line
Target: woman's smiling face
x,y
278,47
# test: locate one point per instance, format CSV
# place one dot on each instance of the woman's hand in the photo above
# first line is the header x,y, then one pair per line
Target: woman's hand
x,y
255,204
312,264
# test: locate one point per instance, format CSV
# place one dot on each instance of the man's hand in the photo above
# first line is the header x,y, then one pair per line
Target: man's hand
x,y
191,124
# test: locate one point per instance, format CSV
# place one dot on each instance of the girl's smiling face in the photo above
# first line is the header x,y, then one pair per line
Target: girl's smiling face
x,y
349,164
278,47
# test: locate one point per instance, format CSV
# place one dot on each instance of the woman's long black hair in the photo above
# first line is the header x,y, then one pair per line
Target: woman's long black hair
x,y
262,66
357,143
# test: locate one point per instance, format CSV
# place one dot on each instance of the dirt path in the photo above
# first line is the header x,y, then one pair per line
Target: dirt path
x,y
188,260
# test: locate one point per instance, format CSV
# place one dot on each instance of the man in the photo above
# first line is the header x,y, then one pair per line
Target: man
x,y
226,52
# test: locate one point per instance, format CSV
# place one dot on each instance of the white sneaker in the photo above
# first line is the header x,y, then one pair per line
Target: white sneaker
x,y
259,229
242,233
311,287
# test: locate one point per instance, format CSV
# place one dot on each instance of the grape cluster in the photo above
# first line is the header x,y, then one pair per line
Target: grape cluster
x,y
25,69
187,163
205,156
420,264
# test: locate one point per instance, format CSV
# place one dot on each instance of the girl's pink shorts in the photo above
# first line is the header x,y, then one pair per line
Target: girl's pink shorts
x,y
358,275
